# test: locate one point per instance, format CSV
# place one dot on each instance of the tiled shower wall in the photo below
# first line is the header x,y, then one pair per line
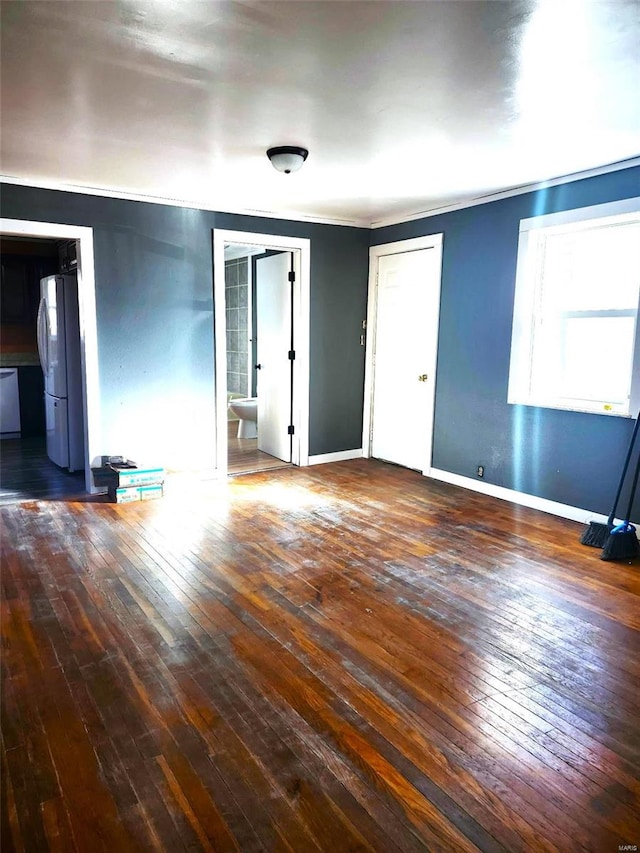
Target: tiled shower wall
x,y
236,285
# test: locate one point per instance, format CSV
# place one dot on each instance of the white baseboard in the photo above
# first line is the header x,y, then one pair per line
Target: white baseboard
x,y
341,456
553,507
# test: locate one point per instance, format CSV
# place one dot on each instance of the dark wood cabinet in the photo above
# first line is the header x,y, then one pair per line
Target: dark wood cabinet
x,y
20,287
15,295
68,256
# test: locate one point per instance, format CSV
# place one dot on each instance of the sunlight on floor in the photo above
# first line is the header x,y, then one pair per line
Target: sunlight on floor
x,y
285,496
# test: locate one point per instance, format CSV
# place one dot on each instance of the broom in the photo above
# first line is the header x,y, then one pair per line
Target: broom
x,y
622,543
597,533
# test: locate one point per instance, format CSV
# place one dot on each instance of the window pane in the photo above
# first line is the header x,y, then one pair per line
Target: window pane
x,y
576,323
589,361
591,270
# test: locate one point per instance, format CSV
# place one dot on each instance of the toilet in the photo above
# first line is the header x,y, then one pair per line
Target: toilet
x,y
246,409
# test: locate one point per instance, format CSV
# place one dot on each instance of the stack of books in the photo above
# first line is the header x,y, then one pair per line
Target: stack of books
x,y
126,482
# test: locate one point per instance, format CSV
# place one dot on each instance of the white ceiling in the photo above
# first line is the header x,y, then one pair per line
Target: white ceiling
x,y
404,106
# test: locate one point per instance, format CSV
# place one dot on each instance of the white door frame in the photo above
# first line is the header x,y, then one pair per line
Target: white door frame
x,y
88,325
301,248
431,241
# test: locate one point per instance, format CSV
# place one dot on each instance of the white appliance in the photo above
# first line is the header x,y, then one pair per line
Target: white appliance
x,y
9,403
59,348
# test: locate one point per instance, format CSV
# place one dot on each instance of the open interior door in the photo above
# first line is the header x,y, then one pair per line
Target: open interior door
x,y
274,294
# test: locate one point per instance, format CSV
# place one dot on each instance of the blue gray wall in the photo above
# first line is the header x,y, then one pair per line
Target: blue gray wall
x,y
569,457
154,282
154,294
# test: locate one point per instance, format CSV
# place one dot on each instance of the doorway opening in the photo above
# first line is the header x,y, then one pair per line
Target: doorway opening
x,y
48,347
261,287
402,345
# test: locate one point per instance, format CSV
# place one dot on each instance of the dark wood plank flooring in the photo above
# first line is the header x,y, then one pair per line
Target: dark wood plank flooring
x,y
27,473
347,657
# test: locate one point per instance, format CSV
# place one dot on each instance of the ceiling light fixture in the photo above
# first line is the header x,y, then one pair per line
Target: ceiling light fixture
x,y
287,158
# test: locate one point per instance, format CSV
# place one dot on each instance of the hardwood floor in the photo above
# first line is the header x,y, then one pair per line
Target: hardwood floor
x,y
347,657
27,473
244,457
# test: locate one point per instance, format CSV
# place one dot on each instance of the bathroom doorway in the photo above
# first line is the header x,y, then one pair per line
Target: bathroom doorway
x,y
261,335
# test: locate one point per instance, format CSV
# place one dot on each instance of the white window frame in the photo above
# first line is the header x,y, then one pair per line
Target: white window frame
x,y
527,291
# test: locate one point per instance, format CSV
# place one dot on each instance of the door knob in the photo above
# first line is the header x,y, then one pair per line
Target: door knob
x,y
258,366
423,377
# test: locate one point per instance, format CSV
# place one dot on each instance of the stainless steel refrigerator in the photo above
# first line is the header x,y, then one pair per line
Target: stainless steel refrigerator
x,y
59,349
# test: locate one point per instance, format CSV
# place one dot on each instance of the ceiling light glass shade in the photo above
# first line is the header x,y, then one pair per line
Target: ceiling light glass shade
x,y
287,158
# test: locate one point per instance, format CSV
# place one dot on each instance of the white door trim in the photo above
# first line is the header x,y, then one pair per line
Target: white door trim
x,y
88,326
301,248
431,241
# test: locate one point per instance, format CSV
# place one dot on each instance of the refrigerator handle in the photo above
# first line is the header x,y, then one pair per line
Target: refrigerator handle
x,y
42,336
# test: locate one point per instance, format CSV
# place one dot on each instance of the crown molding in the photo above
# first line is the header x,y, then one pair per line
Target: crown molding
x,y
472,201
292,216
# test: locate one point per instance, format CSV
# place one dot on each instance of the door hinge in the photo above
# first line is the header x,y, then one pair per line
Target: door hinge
x,y
291,429
292,355
292,276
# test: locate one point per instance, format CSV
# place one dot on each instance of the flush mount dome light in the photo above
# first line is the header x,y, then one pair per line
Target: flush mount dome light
x,y
287,158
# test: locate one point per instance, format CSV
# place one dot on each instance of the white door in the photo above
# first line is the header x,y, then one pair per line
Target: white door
x,y
405,343
273,311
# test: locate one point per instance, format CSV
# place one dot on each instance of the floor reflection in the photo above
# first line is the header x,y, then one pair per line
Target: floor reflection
x,y
27,473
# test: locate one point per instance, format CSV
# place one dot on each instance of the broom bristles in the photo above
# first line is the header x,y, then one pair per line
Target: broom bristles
x,y
596,534
622,545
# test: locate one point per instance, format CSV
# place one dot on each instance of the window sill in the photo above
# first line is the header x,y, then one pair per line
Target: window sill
x,y
539,404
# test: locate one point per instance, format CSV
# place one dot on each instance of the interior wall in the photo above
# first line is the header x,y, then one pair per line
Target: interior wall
x,y
569,457
154,302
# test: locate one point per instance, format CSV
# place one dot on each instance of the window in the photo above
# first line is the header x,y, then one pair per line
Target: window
x,y
575,342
